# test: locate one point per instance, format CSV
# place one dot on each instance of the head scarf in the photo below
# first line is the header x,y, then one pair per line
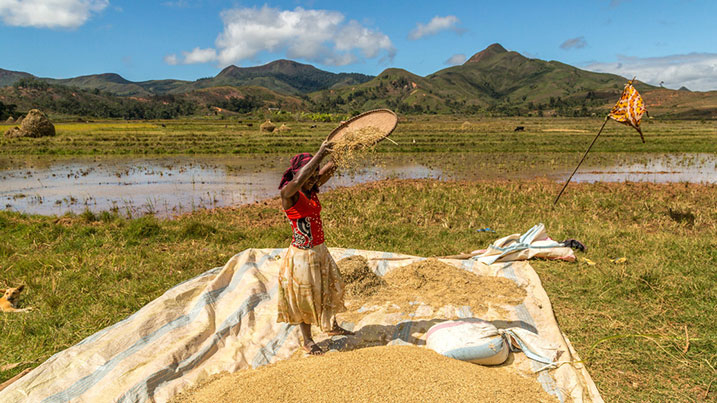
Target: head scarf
x,y
297,162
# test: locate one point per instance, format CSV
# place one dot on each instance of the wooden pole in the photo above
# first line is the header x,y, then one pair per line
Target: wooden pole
x,y
581,161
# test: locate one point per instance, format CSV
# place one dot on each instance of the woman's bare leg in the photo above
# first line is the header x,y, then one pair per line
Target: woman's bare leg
x,y
309,345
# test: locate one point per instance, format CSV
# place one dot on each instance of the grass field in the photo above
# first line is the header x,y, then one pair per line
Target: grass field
x,y
646,328
413,134
628,321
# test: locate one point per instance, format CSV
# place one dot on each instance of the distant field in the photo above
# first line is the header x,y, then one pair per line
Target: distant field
x,y
413,134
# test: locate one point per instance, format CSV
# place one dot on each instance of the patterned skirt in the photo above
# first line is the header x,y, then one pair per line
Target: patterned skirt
x,y
310,287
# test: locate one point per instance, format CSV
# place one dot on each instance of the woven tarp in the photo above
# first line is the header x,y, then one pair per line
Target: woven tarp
x,y
225,320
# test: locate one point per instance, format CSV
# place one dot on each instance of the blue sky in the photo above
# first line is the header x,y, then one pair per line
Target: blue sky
x,y
659,41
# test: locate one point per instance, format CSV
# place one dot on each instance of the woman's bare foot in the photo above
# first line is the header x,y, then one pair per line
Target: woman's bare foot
x,y
339,331
312,348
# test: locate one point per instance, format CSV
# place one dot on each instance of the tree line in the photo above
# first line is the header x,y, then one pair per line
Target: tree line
x,y
95,103
7,111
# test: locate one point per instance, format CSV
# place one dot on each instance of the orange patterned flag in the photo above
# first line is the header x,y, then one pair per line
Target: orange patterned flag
x,y
629,109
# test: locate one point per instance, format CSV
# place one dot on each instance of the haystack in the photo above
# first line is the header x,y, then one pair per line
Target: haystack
x,y
10,120
267,126
35,124
14,132
284,128
466,125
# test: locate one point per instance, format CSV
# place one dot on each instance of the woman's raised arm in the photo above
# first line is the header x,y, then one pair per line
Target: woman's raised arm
x,y
291,188
326,172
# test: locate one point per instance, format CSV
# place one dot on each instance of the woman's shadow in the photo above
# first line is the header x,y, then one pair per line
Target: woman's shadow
x,y
402,333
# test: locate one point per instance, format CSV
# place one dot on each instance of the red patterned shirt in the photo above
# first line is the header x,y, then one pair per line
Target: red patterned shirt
x,y
305,218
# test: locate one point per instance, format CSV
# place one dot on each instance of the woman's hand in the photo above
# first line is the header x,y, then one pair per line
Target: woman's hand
x,y
326,147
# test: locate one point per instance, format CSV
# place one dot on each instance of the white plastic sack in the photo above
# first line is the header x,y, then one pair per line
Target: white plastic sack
x,y
534,347
472,340
535,243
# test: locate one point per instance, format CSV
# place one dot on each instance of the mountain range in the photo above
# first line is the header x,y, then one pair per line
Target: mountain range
x,y
283,76
493,80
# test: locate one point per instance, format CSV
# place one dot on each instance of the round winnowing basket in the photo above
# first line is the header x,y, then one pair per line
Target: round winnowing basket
x,y
383,120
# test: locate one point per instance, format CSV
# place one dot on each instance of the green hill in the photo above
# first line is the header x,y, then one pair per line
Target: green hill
x,y
8,77
284,76
243,99
494,81
59,99
109,82
499,74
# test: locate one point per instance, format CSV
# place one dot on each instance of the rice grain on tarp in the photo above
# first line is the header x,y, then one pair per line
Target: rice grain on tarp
x,y
359,279
375,374
437,284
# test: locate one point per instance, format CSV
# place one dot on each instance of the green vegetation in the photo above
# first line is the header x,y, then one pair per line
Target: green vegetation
x,y
31,93
7,111
283,76
233,135
89,271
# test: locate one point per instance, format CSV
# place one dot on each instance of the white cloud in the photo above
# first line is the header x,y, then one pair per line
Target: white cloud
x,y
369,42
574,43
198,55
696,71
456,59
436,25
49,13
315,35
171,59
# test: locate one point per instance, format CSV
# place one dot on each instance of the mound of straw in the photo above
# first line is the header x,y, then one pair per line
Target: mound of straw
x,y
353,145
267,126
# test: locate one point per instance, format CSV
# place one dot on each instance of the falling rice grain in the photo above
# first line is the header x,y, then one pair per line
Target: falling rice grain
x,y
352,145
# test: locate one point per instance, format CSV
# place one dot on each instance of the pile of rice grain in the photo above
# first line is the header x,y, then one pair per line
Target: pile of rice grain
x,y
359,279
437,284
375,374
350,146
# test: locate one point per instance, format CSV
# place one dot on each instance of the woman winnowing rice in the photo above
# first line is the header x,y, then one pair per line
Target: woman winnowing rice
x,y
311,290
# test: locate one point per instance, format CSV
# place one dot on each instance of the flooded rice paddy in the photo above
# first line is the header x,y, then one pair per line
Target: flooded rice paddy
x,y
172,185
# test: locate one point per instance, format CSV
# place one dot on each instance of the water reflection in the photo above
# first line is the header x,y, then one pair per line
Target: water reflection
x,y
167,186
693,168
161,186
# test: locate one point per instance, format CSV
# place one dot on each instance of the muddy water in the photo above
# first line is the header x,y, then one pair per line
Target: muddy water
x,y
171,185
